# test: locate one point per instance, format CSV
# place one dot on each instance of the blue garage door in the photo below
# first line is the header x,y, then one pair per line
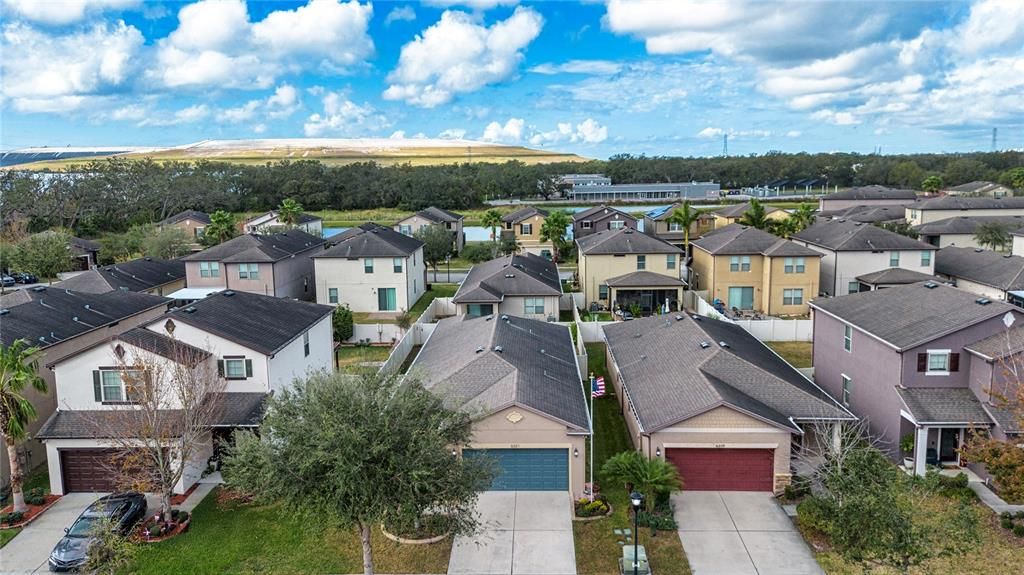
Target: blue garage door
x,y
527,469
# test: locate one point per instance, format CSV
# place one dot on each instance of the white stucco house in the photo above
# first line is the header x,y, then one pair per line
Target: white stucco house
x,y
270,222
371,268
257,344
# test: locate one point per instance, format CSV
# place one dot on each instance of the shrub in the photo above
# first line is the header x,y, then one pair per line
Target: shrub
x,y
35,496
155,530
1020,515
182,516
12,517
955,486
174,514
1006,523
814,513
657,521
1018,530
586,508
1006,515
477,252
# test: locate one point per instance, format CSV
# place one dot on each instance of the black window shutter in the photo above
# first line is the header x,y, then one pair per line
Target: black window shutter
x,y
97,392
954,362
220,367
248,368
922,362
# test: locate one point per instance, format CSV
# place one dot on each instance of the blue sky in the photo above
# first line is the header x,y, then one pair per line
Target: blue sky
x,y
595,78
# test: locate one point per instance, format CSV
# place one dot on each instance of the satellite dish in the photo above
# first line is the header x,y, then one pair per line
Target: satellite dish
x,y
1008,319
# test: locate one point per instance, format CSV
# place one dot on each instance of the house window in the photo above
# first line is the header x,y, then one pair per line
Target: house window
x,y
546,254
305,344
913,214
405,229
926,258
199,232
641,262
387,299
396,263
111,388
847,388
332,295
480,309
675,227
602,291
534,305
739,264
209,269
368,265
670,262
794,265
894,259
526,229
587,224
616,225
848,338
853,287
235,367
938,362
793,296
249,271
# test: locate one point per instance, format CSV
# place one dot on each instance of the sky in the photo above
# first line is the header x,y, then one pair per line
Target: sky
x,y
595,78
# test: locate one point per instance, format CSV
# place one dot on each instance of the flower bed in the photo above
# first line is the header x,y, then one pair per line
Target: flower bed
x,y
587,510
154,529
38,504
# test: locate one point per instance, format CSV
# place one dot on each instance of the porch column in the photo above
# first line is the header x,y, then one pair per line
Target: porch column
x,y
920,449
837,441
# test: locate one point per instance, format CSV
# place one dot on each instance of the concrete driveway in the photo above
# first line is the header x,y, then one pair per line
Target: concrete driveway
x,y
740,533
523,533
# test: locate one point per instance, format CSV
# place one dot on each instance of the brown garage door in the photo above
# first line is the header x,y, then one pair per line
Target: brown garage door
x,y
724,469
87,470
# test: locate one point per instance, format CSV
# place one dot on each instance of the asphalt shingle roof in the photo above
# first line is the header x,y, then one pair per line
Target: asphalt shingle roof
x,y
201,217
967,203
262,323
259,247
516,275
435,214
137,275
602,209
737,211
536,367
968,224
1000,345
868,214
910,315
624,241
670,376
239,409
643,279
736,239
522,214
370,240
850,236
872,193
943,405
896,276
1005,272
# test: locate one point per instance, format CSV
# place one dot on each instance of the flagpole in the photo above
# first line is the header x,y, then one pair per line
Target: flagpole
x,y
591,454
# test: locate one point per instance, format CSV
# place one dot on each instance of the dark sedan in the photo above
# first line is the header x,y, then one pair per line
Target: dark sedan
x,y
123,510
25,278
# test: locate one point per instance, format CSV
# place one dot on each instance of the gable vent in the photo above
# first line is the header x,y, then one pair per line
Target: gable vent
x,y
931,285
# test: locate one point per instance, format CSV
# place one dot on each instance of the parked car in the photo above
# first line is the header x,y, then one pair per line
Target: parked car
x,y
123,510
6,281
25,278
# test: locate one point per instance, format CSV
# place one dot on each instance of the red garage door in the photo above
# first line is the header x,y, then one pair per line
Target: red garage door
x,y
724,469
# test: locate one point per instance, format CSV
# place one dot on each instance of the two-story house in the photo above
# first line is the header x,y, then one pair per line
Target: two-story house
x,y
270,264
144,275
962,231
933,209
523,227
865,196
989,274
734,213
978,188
524,285
432,216
85,252
371,268
620,268
851,249
600,218
656,224
257,344
192,222
902,358
750,269
270,222
62,322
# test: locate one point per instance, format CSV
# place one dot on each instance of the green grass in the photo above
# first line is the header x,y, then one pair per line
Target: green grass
x,y
38,477
797,353
349,358
597,548
596,316
249,539
7,534
436,290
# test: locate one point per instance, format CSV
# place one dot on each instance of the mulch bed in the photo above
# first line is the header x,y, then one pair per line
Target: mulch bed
x,y
142,532
31,514
178,499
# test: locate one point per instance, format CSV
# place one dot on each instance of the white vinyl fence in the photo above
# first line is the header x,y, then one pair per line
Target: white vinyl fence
x,y
771,329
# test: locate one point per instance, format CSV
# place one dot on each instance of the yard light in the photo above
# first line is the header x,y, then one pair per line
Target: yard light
x,y
637,499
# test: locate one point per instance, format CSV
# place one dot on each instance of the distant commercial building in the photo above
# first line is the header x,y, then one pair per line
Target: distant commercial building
x,y
634,192
585,180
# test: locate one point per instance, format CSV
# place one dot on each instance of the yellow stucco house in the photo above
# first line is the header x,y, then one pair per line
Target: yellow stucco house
x,y
524,227
732,214
619,268
750,269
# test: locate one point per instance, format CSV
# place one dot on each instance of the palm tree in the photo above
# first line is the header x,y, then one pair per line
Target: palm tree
x,y
648,476
803,216
19,368
786,227
685,216
993,234
492,219
289,212
220,229
755,216
553,230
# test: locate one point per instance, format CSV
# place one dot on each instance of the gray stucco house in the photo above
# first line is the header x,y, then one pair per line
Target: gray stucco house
x,y
916,359
600,218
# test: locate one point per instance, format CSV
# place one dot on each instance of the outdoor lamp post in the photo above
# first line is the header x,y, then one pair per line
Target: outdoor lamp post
x,y
637,499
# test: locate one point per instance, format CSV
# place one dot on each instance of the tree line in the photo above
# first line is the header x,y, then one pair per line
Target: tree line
x,y
112,195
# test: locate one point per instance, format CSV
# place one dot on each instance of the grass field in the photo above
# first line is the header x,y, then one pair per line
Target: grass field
x,y
797,353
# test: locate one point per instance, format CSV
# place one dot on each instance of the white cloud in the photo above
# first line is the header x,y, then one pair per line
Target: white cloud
x,y
710,132
591,67
281,104
242,113
400,14
515,130
645,86
511,132
837,118
330,29
64,11
457,55
794,134
130,113
452,134
189,115
397,135
474,4
259,128
591,132
344,117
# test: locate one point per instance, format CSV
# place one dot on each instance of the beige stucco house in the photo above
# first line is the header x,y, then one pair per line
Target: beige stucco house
x,y
432,216
732,214
524,285
192,222
933,209
619,268
656,224
520,378
962,231
143,275
523,226
750,269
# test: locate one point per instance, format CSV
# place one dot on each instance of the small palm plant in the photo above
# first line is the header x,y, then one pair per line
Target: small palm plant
x,y
289,212
756,216
648,476
492,219
19,370
553,230
685,216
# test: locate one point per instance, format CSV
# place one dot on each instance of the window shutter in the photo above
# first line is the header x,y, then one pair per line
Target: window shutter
x,y
954,362
922,362
248,368
220,367
97,393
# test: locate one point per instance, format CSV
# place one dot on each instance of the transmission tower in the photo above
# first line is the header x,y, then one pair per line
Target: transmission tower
x,y
995,138
725,144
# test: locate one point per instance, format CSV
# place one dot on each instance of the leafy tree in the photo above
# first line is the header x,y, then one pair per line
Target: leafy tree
x,y
125,246
553,230
343,323
45,254
1013,178
684,216
756,216
900,227
648,476
19,370
109,552
994,235
222,227
167,243
508,246
289,212
477,252
932,184
437,245
355,452
905,174
492,220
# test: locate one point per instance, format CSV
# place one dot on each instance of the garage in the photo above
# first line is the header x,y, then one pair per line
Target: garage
x,y
527,469
87,470
724,469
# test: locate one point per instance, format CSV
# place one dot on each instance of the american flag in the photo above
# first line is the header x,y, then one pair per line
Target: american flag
x,y
597,387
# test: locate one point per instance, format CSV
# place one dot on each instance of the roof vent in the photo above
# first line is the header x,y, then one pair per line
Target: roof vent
x,y
931,285
4,311
228,293
704,345
87,306
679,318
499,349
978,250
696,317
190,309
489,318
480,349
510,275
504,317
982,301
723,344
149,259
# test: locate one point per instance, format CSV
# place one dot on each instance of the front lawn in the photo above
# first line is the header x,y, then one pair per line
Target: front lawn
x,y
597,548
797,353
236,538
7,534
38,477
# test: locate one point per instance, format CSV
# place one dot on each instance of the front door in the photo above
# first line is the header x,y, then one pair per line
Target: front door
x,y
386,299
741,297
949,443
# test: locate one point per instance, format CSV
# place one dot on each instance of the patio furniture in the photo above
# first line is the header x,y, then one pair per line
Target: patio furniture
x,y
626,561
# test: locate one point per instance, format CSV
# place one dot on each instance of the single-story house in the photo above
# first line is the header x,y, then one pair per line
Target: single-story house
x,y
270,223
